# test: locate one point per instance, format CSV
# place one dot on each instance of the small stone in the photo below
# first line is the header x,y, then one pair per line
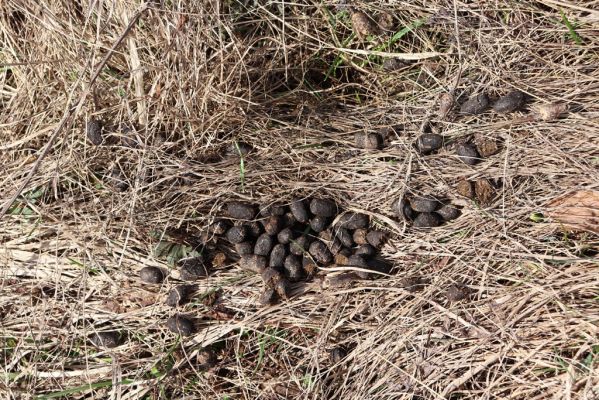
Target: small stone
x,y
264,244
429,142
237,234
277,256
299,245
273,224
241,210
448,212
94,132
457,292
253,263
285,236
376,238
475,104
402,209
465,188
109,340
219,227
351,220
180,325
363,25
468,153
484,190
151,275
299,210
320,252
424,204
268,296
323,207
365,250
178,295
427,220
510,102
487,148
244,248
369,141
359,236
318,223
193,269
293,268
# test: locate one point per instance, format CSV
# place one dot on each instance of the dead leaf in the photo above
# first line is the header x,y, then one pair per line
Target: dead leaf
x,y
578,210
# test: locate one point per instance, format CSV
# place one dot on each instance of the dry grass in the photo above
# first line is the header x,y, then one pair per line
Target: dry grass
x,y
191,78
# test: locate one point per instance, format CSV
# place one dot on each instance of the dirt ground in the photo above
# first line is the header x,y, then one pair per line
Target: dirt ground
x,y
177,84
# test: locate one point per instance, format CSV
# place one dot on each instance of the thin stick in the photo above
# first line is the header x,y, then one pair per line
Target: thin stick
x,y
66,120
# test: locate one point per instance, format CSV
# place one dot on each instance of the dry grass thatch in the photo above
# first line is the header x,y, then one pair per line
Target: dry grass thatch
x,y
291,79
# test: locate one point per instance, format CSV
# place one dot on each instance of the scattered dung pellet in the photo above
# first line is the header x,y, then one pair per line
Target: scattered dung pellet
x,y
385,21
427,220
180,325
359,236
403,210
359,262
376,238
299,245
237,234
299,210
318,223
510,102
193,269
345,237
219,259
369,141
309,265
178,295
109,340
285,236
118,180
467,153
412,283
269,210
429,142
205,359
241,210
320,252
263,245
219,227
268,296
277,256
424,204
475,104
484,190
292,268
343,279
337,354
363,25
353,221
448,212
254,228
270,275
238,148
151,275
465,188
282,288
342,258
487,148
365,250
244,248
273,225
94,132
288,220
457,292
253,263
323,207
